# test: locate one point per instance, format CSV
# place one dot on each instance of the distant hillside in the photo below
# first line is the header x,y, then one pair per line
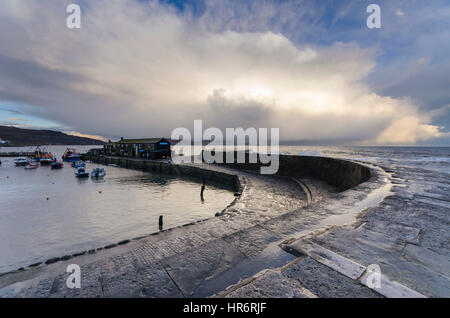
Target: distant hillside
x,y
31,137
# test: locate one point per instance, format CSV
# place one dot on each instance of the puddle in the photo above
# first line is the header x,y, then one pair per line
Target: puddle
x,y
374,198
271,257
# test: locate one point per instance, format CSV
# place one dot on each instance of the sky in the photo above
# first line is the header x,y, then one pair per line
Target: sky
x,y
311,68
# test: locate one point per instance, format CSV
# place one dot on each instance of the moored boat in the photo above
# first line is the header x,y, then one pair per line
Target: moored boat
x,y
47,161
78,164
71,155
45,158
81,173
57,165
33,165
21,161
98,173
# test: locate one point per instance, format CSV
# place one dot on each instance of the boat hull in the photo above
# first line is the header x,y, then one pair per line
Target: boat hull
x,y
98,173
45,163
71,159
57,166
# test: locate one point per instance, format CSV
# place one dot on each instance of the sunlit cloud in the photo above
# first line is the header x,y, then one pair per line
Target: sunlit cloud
x,y
78,134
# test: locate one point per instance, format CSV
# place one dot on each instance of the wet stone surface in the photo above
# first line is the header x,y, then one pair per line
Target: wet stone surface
x,y
405,235
270,284
325,282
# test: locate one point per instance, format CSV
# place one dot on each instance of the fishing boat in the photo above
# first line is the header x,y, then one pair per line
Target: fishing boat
x,y
44,157
78,164
21,161
33,165
47,161
57,165
81,173
98,173
71,155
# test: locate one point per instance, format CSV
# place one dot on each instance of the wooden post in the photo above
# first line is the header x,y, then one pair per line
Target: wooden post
x,y
160,222
202,190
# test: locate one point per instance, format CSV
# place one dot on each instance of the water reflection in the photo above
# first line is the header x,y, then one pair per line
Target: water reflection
x,y
82,180
98,181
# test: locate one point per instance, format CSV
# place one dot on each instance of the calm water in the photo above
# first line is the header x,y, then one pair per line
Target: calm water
x,y
81,214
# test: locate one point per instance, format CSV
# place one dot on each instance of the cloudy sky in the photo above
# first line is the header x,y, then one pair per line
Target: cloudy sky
x,y
311,68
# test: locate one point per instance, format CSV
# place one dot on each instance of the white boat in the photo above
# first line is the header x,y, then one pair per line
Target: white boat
x,y
47,161
81,173
21,161
98,173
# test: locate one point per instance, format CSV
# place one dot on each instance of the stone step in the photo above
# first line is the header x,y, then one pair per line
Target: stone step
x,y
351,269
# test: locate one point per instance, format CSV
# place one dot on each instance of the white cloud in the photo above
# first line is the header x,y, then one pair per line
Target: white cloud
x,y
141,69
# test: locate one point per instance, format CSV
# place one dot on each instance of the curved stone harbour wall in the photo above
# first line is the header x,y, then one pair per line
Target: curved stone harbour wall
x,y
339,173
342,174
169,168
